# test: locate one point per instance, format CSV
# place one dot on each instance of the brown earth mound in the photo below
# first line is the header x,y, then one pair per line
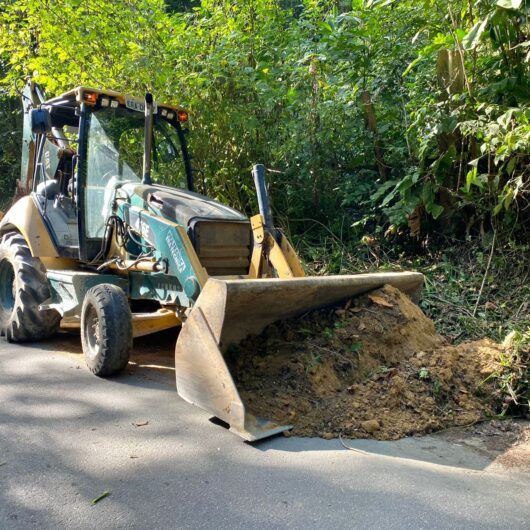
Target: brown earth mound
x,y
374,367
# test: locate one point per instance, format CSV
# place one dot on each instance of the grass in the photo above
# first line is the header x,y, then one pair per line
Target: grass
x,y
454,273
513,379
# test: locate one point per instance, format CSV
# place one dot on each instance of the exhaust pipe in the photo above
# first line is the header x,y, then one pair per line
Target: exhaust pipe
x,y
148,139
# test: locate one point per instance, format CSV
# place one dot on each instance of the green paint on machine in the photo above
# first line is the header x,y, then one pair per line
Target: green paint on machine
x,y
68,289
156,286
178,284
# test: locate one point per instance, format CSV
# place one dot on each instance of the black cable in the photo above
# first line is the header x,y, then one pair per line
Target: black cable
x,y
105,242
131,231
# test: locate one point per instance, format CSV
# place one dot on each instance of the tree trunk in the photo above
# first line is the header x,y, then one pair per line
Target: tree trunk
x,y
371,125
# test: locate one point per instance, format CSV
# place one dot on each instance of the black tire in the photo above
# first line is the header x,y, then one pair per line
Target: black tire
x,y
106,330
23,287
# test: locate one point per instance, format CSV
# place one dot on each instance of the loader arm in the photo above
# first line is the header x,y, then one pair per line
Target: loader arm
x,y
172,274
268,253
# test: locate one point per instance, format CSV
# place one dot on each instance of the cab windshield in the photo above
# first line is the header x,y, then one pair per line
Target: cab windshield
x,y
115,148
115,141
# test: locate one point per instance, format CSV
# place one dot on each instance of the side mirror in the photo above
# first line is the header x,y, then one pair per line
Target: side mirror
x,y
41,122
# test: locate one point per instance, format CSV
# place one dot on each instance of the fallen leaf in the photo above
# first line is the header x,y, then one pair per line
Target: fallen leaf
x,y
141,423
133,456
100,497
379,300
3,463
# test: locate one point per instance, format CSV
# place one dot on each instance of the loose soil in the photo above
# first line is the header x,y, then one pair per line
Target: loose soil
x,y
372,368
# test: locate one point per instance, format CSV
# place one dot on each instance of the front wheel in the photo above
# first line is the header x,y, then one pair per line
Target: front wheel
x,y
106,330
23,288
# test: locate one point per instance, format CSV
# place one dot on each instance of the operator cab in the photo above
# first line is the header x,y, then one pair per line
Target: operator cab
x,y
105,130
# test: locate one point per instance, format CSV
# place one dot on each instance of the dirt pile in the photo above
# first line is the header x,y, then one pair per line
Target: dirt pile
x,y
373,367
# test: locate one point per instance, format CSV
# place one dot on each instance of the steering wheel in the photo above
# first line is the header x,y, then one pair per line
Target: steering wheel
x,y
108,176
105,179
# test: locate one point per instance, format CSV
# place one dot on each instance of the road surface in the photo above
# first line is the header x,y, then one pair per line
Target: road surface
x,y
66,437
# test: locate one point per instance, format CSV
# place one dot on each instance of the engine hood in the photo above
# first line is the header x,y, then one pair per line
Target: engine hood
x,y
184,206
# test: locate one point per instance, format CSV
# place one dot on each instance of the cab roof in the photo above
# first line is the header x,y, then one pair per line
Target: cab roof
x,y
91,97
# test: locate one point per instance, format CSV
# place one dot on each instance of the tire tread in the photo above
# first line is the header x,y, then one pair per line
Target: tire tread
x,y
115,319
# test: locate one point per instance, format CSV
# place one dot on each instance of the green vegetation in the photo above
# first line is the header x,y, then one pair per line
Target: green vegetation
x,y
10,147
375,114
396,132
513,379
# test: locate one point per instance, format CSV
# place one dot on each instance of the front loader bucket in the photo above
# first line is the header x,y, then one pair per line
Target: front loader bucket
x,y
227,311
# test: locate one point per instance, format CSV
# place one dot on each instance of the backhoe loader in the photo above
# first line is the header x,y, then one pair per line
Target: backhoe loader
x,y
107,235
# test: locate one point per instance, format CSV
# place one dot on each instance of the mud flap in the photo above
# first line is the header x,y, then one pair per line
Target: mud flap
x,y
227,311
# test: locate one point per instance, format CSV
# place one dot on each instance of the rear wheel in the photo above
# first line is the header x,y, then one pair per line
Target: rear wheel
x,y
23,287
106,330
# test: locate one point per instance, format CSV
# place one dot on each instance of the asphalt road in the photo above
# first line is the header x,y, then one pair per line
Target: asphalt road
x,y
67,436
